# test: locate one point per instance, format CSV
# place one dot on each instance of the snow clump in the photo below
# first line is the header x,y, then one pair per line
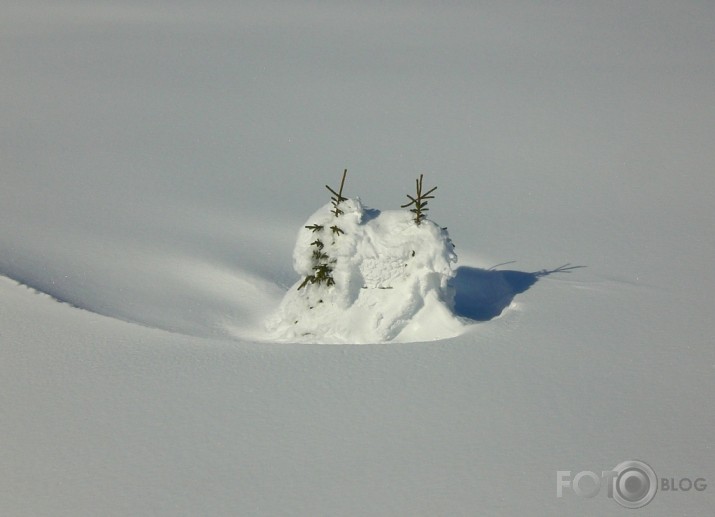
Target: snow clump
x,y
389,279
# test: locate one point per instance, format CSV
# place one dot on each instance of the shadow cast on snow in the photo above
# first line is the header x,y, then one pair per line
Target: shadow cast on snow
x,y
483,294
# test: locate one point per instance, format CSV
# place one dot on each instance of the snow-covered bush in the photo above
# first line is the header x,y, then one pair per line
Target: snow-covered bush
x,y
389,278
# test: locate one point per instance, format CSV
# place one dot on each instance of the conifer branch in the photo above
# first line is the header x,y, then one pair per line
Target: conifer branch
x,y
309,278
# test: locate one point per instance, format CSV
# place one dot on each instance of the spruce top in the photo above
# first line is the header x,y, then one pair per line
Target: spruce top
x,y
420,201
337,197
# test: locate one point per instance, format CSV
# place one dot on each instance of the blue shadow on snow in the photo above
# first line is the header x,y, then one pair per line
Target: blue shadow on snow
x,y
483,294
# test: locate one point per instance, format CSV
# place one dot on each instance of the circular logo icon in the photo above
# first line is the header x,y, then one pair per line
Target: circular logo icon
x,y
635,484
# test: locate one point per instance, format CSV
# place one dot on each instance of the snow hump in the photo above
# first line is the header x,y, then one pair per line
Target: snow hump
x,y
389,280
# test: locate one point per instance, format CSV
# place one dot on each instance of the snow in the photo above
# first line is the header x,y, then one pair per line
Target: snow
x,y
391,279
157,161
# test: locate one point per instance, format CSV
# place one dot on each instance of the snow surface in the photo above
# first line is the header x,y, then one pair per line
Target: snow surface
x,y
158,158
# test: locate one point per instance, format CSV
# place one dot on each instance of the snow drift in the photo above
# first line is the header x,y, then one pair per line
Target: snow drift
x,y
390,279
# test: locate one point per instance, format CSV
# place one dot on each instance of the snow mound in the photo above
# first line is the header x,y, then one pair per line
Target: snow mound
x,y
390,280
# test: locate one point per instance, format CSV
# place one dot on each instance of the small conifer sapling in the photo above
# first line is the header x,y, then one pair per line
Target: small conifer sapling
x,y
419,201
322,262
